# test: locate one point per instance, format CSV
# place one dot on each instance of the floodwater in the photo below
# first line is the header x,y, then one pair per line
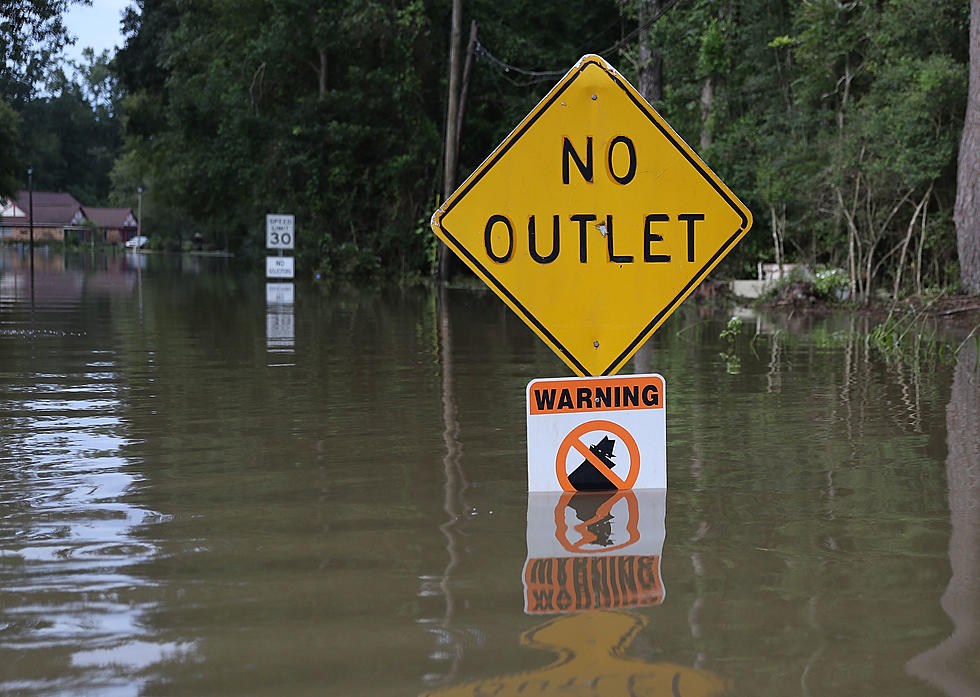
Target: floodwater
x,y
203,492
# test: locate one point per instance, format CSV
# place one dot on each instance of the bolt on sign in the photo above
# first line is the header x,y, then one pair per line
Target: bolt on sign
x,y
592,220
597,434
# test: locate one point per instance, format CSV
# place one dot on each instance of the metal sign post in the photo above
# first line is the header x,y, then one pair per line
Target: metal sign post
x,y
280,234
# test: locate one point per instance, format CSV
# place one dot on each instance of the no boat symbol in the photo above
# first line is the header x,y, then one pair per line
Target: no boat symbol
x,y
598,442
603,522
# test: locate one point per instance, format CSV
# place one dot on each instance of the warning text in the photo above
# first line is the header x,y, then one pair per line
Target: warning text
x,y
559,397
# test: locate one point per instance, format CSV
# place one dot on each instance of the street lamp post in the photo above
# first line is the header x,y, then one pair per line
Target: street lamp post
x,y
30,209
139,218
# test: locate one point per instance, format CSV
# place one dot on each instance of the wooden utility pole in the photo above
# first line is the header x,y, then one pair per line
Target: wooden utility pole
x,y
966,214
467,68
452,117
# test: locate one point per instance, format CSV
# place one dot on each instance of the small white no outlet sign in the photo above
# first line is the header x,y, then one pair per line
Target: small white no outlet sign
x,y
279,267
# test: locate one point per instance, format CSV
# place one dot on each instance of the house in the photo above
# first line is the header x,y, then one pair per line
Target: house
x,y
56,217
116,225
61,218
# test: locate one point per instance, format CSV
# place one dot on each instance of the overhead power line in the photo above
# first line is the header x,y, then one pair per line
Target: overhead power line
x,y
537,76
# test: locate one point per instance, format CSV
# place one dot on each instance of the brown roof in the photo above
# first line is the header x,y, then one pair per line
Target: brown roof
x,y
109,217
45,199
50,208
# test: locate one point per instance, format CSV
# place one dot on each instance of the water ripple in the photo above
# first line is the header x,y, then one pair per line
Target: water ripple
x,y
68,537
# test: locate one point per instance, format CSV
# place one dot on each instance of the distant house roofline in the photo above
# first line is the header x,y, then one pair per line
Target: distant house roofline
x,y
119,218
51,209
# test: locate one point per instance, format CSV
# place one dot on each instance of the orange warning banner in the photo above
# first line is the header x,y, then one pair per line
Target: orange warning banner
x,y
573,584
569,396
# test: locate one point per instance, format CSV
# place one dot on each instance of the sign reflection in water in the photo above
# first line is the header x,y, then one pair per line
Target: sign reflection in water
x,y
587,554
592,551
280,322
591,661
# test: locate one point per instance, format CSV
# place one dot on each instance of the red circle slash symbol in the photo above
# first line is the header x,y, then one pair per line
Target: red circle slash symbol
x,y
595,473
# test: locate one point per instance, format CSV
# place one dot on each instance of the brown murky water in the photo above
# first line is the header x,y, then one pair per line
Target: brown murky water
x,y
202,493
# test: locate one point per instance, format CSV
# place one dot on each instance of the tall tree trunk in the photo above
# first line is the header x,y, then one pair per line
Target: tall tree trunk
x,y
966,215
920,208
452,116
707,103
322,73
650,63
778,221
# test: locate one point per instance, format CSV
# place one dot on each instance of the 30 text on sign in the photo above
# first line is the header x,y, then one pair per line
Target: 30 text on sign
x,y
593,220
280,231
597,434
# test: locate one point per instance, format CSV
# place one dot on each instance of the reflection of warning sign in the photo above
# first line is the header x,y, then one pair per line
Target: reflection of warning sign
x,y
593,659
591,583
593,551
600,522
594,473
597,434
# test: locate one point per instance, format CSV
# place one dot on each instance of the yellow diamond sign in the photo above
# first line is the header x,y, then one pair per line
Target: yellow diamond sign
x,y
593,220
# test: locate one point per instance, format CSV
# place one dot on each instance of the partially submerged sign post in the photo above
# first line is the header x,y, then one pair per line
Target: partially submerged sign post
x,y
592,220
280,234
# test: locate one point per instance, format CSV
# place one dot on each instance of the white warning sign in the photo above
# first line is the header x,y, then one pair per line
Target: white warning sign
x,y
597,434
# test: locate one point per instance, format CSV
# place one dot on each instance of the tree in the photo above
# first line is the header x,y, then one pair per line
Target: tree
x,y
72,143
835,120
333,112
31,33
967,215
10,165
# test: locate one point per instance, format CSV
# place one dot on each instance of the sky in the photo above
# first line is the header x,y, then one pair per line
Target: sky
x,y
98,26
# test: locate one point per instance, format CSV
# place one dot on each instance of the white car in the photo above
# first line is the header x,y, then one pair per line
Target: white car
x,y
137,242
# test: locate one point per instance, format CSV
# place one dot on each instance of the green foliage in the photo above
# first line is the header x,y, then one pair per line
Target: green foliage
x,y
73,139
334,113
836,122
829,284
348,262
714,56
729,335
63,122
10,165
832,121
284,106
911,339
31,34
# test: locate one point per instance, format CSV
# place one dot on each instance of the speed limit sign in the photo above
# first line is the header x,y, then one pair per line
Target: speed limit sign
x,y
279,231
